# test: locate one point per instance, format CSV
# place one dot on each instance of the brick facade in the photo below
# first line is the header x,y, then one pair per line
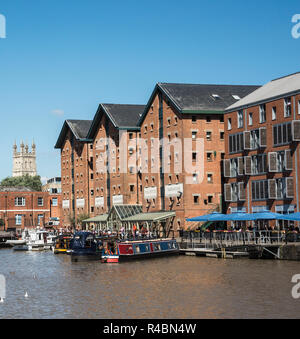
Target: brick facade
x,y
267,173
27,209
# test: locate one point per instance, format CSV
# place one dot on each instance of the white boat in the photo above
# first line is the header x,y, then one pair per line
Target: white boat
x,y
37,240
21,241
51,240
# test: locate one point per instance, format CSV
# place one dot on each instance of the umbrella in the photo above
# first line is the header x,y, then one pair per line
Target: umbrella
x,y
238,216
292,217
265,215
215,216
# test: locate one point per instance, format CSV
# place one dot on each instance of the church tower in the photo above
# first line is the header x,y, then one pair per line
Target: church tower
x,y
24,162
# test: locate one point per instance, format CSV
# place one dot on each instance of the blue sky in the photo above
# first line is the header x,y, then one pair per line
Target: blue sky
x,y
61,58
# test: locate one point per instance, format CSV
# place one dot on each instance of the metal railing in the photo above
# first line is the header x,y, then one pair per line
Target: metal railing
x,y
221,239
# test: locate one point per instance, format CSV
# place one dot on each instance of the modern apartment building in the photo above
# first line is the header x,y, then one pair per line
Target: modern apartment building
x,y
262,134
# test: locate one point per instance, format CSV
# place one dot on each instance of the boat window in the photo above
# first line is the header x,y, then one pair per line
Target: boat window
x,y
156,247
137,249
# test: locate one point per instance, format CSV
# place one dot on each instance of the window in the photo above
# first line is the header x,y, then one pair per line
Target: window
x,y
18,219
169,122
194,135
194,156
210,199
208,118
274,113
195,178
131,188
240,119
236,97
298,106
196,199
260,190
92,192
130,136
210,178
194,119
209,156
40,201
258,164
262,113
19,201
222,135
54,202
222,119
229,124
287,107
282,134
208,136
250,119
236,143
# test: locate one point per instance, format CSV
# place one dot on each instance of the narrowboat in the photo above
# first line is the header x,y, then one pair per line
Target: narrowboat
x,y
63,244
140,249
86,247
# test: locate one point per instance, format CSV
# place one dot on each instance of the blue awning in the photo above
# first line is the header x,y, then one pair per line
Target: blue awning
x,y
208,217
291,217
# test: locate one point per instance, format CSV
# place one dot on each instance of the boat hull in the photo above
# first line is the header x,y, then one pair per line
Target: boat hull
x,y
77,257
124,258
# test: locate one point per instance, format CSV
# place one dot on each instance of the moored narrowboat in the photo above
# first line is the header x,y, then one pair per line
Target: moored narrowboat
x,y
86,247
140,249
62,244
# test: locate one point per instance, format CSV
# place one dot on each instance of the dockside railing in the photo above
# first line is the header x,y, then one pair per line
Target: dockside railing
x,y
221,239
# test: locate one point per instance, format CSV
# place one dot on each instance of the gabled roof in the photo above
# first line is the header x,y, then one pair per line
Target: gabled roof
x,y
199,98
121,116
16,189
271,91
79,128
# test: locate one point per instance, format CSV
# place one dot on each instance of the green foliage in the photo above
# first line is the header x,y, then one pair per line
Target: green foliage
x,y
33,183
2,223
81,218
72,221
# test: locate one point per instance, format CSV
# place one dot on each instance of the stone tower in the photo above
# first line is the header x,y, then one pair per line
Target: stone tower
x,y
24,162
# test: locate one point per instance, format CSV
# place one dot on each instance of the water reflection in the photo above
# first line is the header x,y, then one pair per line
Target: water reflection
x,y
183,287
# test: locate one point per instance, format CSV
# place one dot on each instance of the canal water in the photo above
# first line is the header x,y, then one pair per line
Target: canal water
x,y
165,288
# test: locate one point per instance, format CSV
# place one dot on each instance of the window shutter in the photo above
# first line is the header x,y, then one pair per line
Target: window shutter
x,y
228,193
290,188
296,130
247,140
272,189
273,162
288,160
227,172
263,137
240,166
248,166
242,192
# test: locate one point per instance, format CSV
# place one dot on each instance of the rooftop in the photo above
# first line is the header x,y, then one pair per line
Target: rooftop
x,y
79,129
16,189
274,89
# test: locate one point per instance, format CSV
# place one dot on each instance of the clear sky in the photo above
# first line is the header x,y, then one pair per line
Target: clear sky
x,y
61,58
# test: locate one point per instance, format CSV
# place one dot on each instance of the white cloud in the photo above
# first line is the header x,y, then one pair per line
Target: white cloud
x,y
58,112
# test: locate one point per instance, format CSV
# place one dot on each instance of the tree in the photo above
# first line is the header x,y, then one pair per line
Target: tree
x,y
72,221
33,183
81,218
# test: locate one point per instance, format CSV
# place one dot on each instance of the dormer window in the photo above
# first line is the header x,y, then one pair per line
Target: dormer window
x,y
216,96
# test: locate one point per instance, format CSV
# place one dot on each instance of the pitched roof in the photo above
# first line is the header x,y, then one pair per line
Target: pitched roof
x,y
272,90
121,116
200,98
79,128
16,189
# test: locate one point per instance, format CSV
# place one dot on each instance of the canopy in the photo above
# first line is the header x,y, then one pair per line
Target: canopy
x,y
215,216
292,217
